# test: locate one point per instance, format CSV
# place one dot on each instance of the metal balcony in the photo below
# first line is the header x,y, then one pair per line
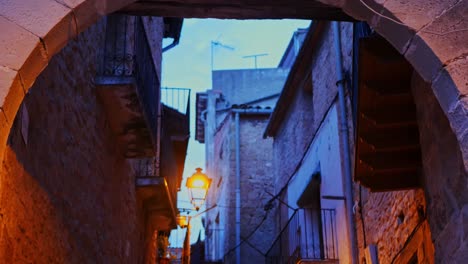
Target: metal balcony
x,y
128,86
309,236
159,190
175,131
129,89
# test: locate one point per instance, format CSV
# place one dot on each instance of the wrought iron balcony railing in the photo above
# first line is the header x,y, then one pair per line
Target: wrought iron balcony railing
x,y
176,98
125,62
308,236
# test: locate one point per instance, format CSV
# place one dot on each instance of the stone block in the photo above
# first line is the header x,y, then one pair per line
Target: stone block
x,y
416,14
11,93
4,131
457,71
457,116
464,146
446,35
38,17
398,35
86,13
444,87
12,53
422,57
358,11
49,20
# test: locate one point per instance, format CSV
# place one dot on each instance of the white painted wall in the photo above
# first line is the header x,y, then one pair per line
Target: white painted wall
x,y
322,156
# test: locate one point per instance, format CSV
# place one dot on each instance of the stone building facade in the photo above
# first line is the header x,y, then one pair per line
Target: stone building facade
x,y
69,194
306,150
66,189
240,99
391,224
429,35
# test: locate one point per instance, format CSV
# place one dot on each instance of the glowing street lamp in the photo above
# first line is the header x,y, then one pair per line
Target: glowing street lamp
x,y
198,185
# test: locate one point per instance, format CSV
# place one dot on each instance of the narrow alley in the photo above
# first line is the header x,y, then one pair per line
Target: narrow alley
x,y
214,131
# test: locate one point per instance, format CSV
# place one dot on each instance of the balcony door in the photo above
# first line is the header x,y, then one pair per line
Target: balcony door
x,y
310,221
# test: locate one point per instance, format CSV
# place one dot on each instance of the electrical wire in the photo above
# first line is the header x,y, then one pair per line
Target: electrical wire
x,y
265,216
301,161
403,24
384,16
269,204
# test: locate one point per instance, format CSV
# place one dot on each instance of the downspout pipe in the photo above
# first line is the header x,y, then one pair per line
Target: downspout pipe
x,y
238,198
170,46
237,113
344,135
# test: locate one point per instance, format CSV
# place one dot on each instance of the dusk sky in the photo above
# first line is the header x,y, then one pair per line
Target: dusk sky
x,y
188,65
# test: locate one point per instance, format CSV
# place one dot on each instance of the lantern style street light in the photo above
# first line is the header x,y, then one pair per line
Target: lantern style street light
x,y
198,185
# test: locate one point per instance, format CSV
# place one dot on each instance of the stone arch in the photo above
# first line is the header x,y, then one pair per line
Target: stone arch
x,y
32,32
432,35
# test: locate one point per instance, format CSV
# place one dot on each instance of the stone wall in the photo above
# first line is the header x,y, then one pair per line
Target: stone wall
x,y
256,168
442,201
221,194
295,152
67,195
256,182
388,219
445,178
308,109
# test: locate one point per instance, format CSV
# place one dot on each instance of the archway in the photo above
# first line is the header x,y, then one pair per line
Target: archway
x,y
431,35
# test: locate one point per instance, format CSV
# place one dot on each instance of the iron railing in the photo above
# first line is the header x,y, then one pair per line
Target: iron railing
x,y
148,84
176,98
127,58
118,56
309,234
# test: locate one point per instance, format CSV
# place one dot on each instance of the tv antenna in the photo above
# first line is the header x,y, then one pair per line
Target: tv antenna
x,y
255,57
215,43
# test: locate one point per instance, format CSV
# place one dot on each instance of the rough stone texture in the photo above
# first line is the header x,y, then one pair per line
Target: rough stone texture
x,y
440,42
450,87
381,224
446,34
256,182
224,211
51,21
427,51
445,177
67,194
306,114
241,87
445,182
307,111
432,35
